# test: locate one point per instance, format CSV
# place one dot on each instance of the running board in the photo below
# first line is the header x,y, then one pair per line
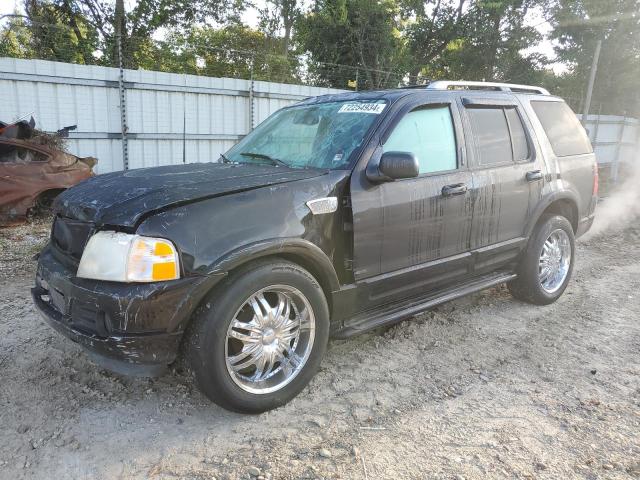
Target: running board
x,y
397,312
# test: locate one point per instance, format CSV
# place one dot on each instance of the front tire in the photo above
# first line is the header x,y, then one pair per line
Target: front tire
x,y
547,262
259,338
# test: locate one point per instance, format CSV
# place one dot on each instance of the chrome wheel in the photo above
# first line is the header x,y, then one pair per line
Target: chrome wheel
x,y
270,339
555,260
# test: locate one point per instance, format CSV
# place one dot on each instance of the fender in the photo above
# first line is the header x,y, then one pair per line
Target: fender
x,y
301,248
544,203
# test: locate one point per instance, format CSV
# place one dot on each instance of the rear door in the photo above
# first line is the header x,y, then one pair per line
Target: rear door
x,y
412,235
508,174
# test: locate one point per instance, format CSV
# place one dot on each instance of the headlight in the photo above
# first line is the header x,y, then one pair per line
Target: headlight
x,y
121,257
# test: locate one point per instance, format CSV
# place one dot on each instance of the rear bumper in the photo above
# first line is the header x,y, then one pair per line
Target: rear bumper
x,y
584,225
132,329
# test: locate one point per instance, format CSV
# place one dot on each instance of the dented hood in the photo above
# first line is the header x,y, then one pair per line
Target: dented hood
x,y
124,198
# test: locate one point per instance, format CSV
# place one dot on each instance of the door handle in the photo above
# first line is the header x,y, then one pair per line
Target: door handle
x,y
457,189
534,176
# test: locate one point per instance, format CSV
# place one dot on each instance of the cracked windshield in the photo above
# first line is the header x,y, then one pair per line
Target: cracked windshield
x,y
315,136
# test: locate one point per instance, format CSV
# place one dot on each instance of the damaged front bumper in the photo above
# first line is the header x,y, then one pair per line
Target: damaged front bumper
x,y
131,329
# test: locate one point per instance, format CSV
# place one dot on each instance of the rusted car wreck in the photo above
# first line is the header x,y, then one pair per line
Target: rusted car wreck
x,y
34,170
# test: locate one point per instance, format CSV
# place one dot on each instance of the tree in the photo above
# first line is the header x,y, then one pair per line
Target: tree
x,y
578,25
280,16
93,23
436,24
235,51
47,32
491,44
362,35
15,39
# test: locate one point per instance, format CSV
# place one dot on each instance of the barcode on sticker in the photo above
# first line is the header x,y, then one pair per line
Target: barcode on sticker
x,y
375,108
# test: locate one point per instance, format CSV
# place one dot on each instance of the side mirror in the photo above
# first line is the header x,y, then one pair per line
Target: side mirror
x,y
394,166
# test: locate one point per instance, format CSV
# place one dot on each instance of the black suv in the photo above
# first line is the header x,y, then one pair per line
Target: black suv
x,y
335,216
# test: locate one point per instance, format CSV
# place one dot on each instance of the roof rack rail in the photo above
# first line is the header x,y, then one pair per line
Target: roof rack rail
x,y
502,87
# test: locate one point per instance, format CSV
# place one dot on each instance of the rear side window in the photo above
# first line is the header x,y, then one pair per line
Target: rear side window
x,y
518,135
427,133
491,132
563,129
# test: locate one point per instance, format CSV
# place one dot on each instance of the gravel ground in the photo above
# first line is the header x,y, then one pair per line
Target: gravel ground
x,y
481,387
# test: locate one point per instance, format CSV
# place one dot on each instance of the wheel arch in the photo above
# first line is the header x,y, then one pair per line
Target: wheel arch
x,y
49,191
561,203
299,251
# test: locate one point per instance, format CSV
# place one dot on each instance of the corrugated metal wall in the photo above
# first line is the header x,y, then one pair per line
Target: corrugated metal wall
x,y
616,142
166,113
614,137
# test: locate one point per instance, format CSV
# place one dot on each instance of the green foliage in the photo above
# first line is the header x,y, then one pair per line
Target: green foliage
x,y
359,33
491,45
437,27
49,33
15,40
235,51
578,25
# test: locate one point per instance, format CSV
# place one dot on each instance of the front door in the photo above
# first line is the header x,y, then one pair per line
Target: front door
x,y
412,235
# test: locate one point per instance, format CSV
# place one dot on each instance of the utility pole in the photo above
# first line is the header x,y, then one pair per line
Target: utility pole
x,y
592,81
120,27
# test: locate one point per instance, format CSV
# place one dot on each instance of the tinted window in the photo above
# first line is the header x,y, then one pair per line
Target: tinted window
x,y
491,133
427,133
566,135
518,135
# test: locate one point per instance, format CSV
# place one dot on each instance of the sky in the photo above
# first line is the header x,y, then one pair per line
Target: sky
x,y
250,17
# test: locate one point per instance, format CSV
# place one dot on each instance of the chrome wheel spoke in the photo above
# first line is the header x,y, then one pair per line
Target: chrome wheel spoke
x,y
268,309
283,313
261,366
243,337
237,362
283,304
244,353
288,326
259,314
251,326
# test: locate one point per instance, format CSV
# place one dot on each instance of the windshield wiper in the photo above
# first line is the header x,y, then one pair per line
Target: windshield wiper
x,y
262,156
225,159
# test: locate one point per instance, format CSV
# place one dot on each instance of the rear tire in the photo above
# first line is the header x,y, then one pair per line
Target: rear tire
x,y
259,338
547,262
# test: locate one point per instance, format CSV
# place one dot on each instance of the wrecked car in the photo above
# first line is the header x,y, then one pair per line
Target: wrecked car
x,y
33,172
341,214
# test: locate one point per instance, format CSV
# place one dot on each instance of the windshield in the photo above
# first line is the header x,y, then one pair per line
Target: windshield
x,y
317,136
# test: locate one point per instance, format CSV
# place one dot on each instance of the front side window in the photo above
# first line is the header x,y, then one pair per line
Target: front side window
x,y
428,133
324,135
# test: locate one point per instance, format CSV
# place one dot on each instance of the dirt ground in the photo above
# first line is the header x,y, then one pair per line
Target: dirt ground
x,y
484,387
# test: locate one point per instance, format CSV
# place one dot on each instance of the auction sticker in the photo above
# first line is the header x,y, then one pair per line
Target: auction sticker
x,y
375,108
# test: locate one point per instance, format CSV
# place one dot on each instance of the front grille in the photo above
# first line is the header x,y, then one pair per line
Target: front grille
x,y
70,237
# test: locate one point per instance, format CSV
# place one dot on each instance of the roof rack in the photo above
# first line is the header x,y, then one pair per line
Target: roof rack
x,y
502,87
